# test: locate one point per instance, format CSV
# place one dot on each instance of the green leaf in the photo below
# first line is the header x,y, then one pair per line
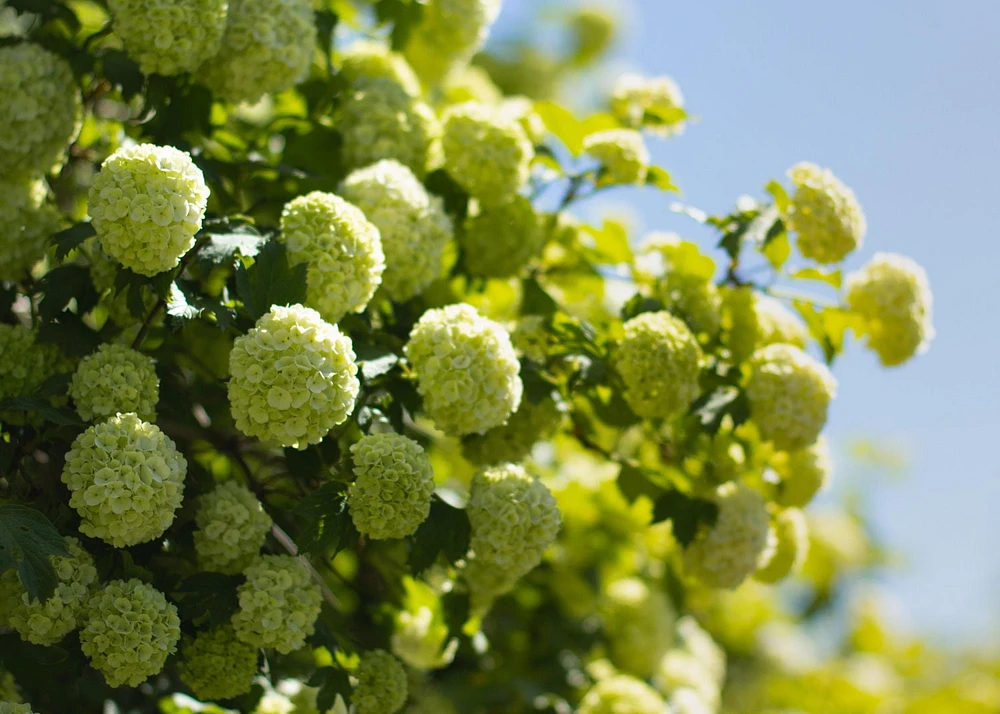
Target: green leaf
x,y
638,304
456,200
634,482
178,306
42,407
374,361
535,300
62,285
121,70
780,196
712,408
71,238
828,326
270,281
330,681
833,278
660,178
328,525
446,530
610,243
27,542
563,124
208,598
777,251
223,247
685,513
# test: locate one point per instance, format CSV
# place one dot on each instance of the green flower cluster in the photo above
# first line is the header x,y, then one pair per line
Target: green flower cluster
x,y
22,361
126,480
804,473
622,694
622,154
791,547
231,528
368,59
752,320
169,36
279,604
380,684
650,103
420,631
113,380
27,219
216,665
692,298
825,214
449,33
15,708
639,625
499,240
514,440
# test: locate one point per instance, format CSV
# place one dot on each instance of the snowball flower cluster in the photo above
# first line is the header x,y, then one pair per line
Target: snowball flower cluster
x,y
146,204
420,632
279,604
216,665
22,362
15,708
753,320
380,684
825,214
659,361
486,152
892,295
27,220
169,36
467,370
696,300
126,480
370,59
294,377
231,528
470,84
499,240
727,553
392,494
130,631
639,624
514,440
449,33
115,379
652,103
804,473
41,112
789,395
412,223
267,48
622,694
342,248
791,547
622,154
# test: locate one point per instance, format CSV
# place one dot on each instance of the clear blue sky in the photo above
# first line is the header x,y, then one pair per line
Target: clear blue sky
x,y
901,98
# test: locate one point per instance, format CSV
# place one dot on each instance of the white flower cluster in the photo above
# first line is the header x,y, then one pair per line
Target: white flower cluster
x,y
639,625
499,240
647,102
231,528
450,32
370,59
380,686
752,320
279,604
216,665
514,440
622,694
27,219
169,36
115,379
825,214
791,534
804,473
420,632
622,154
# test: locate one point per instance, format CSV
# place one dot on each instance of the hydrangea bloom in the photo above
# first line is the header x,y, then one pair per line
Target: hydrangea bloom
x,y
231,528
651,103
343,250
46,623
253,61
392,494
792,544
420,633
825,214
146,204
41,112
752,320
726,553
682,670
27,220
169,36
513,441
622,154
15,708
8,687
622,694
450,32
293,378
130,631
486,152
22,362
412,223
639,624
789,394
892,295
659,361
470,84
374,59
522,110
700,644
467,370
279,604
126,480
499,240
216,665
696,300
381,684
115,379
804,473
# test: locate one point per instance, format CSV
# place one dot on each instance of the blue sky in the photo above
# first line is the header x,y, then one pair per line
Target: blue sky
x,y
901,99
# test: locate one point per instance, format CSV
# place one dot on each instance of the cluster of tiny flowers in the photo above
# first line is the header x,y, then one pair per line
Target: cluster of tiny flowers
x,y
696,300
294,377
467,370
622,154
216,665
126,480
514,519
231,528
789,395
470,84
392,494
622,694
639,102
279,604
169,36
412,223
486,152
267,48
450,32
420,631
499,240
681,671
130,631
522,110
514,440
727,553
639,624
893,297
752,320
381,684
371,59
22,361
8,687
791,547
46,623
41,111
342,248
27,220
115,379
804,473
15,708
146,204
825,214
380,120
659,361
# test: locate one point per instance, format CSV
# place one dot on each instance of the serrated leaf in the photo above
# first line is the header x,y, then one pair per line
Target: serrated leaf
x,y
331,681
71,334
67,240
833,278
27,542
446,531
208,598
634,482
660,178
777,251
178,306
685,513
269,280
610,243
328,525
828,326
63,284
223,247
374,361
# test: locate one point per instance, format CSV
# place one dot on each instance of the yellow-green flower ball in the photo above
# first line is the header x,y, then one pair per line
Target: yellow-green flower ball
x,y
789,395
514,440
8,687
694,299
279,604
267,48
373,60
467,370
639,625
449,33
115,379
15,708
726,553
681,670
146,204
381,684
130,631
622,154
622,694
22,362
392,494
420,630
46,623
216,665
342,248
752,320
126,480
470,84
651,103
791,547
659,361
499,240
231,528
892,295
294,377
824,214
41,110
412,223
486,152
804,473
169,36
27,219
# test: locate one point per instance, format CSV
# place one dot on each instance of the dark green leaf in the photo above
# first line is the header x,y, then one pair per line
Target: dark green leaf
x,y
685,513
270,281
446,531
456,200
27,542
712,408
208,598
71,333
62,285
223,247
41,407
634,482
71,238
374,361
638,304
328,526
331,681
534,299
121,70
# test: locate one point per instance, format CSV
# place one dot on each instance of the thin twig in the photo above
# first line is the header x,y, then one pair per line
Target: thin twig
x,y
161,303
288,544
